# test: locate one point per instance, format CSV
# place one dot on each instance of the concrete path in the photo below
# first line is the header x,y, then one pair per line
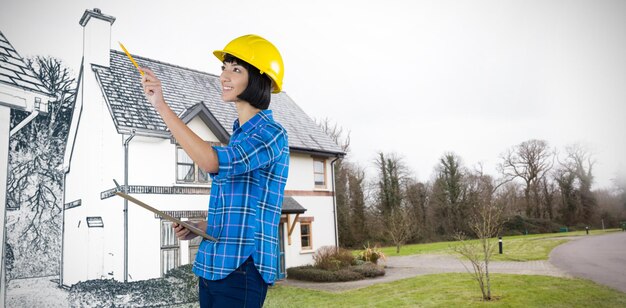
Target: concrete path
x,y
599,258
415,265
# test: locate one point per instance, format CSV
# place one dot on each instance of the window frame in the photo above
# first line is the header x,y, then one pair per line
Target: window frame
x,y
191,245
325,175
168,247
309,235
197,170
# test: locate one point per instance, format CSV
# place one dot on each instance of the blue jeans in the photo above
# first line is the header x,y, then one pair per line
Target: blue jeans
x,y
242,288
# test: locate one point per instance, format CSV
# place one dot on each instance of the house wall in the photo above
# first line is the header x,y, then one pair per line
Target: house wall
x,y
152,162
322,230
98,158
321,207
300,172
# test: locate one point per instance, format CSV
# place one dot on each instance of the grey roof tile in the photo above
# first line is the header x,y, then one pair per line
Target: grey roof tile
x,y
183,88
15,70
8,73
5,44
5,79
291,206
11,66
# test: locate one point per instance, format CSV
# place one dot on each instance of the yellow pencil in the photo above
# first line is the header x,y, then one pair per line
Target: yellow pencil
x,y
131,58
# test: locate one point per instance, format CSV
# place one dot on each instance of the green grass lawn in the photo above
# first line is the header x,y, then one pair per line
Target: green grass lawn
x,y
515,248
457,290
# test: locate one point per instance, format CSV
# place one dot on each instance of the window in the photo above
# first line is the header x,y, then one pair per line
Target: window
x,y
319,172
305,236
187,171
95,222
194,244
170,247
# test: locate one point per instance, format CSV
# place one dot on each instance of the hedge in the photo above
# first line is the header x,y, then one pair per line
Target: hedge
x,y
178,286
355,272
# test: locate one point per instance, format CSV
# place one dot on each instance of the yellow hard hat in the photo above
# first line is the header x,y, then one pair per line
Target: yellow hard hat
x,y
260,53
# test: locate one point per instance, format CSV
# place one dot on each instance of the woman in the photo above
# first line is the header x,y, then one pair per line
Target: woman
x,y
248,177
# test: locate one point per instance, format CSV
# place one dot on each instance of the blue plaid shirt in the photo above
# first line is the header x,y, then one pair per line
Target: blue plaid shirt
x,y
246,200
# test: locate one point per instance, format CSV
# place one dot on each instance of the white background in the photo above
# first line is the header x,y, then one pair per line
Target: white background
x,y
418,78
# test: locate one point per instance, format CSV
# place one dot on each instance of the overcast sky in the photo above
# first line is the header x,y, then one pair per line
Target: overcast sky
x,y
418,78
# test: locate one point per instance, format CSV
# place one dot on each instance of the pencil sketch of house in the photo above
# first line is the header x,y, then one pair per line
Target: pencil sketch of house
x,y
116,134
20,90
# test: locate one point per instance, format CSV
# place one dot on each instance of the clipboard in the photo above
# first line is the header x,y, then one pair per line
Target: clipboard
x,y
185,224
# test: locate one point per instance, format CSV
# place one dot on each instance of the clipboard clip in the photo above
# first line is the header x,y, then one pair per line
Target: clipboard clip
x,y
119,188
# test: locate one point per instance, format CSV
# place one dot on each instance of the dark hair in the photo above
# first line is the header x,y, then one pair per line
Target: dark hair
x,y
259,90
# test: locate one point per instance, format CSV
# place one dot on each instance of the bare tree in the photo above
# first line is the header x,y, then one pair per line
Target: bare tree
x,y
447,195
569,195
401,226
549,191
580,162
417,200
34,183
530,161
390,202
485,220
391,173
335,132
356,193
342,197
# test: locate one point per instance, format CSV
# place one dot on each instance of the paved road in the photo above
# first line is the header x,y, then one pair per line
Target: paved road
x,y
599,258
415,265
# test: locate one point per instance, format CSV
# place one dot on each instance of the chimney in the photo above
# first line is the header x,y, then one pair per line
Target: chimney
x,y
96,37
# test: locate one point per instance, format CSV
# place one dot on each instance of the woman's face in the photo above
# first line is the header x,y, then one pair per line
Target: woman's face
x,y
234,79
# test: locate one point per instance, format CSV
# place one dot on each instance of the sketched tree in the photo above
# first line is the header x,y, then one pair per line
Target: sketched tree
x,y
34,184
485,219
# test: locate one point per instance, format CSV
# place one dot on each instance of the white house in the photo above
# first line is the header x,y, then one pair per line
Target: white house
x,y
116,134
20,89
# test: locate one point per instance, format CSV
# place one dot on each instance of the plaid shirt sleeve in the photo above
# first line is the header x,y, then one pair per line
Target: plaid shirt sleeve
x,y
256,151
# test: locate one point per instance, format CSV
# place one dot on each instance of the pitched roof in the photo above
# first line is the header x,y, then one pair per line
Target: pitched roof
x,y
183,88
15,72
291,206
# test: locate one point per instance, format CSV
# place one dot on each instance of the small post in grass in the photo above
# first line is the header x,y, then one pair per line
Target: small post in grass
x,y
500,243
587,229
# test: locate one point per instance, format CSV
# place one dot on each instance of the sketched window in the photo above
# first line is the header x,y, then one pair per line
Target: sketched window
x,y
170,247
187,171
194,244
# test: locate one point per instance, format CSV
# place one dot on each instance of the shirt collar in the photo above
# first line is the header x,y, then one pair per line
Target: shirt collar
x,y
262,116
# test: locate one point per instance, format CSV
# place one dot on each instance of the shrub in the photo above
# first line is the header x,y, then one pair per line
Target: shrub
x,y
311,273
333,258
178,286
521,225
371,254
369,270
